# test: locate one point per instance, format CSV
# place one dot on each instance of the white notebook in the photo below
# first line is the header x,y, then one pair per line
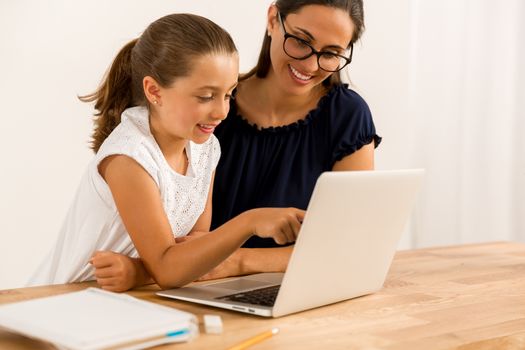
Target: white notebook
x,y
96,319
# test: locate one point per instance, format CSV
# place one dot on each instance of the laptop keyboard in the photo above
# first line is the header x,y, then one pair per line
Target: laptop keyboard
x,y
263,296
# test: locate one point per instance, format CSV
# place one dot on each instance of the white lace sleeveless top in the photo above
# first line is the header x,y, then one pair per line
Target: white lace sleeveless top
x,y
93,222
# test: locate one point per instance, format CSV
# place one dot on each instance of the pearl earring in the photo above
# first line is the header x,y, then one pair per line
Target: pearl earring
x,y
155,102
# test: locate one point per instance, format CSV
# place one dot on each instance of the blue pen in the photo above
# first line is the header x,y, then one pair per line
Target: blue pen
x,y
169,337
177,333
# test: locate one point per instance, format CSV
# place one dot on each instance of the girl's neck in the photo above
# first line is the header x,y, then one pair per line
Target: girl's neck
x,y
173,148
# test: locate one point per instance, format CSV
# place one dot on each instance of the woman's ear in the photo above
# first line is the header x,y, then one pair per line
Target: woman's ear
x,y
152,90
272,21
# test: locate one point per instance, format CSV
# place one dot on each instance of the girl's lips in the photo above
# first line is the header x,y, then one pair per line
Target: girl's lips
x,y
207,128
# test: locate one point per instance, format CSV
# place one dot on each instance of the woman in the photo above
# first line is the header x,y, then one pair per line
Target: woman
x,y
291,120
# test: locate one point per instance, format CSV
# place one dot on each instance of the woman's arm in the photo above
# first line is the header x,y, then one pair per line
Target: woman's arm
x,y
245,261
254,260
362,159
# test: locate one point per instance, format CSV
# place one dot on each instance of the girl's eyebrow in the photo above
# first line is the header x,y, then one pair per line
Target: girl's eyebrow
x,y
216,88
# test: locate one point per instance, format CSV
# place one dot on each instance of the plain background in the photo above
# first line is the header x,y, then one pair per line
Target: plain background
x,y
51,51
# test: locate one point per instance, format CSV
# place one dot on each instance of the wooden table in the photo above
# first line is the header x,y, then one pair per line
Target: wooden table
x,y
463,297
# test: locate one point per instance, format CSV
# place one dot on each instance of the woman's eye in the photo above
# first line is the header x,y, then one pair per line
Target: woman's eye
x,y
330,56
301,43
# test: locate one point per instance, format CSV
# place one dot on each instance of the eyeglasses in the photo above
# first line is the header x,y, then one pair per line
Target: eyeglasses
x,y
300,49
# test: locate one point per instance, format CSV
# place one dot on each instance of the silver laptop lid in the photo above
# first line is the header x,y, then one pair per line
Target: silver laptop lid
x,y
348,238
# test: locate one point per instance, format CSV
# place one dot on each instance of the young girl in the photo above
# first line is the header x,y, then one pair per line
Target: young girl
x,y
149,183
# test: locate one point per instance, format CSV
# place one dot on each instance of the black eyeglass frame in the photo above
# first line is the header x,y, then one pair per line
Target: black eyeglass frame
x,y
313,51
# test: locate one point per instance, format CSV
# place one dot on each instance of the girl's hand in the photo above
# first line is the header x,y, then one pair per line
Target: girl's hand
x,y
115,272
281,224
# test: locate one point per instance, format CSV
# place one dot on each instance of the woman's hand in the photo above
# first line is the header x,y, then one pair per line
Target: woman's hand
x,y
232,266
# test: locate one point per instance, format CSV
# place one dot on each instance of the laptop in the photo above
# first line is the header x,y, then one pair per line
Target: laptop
x,y
344,249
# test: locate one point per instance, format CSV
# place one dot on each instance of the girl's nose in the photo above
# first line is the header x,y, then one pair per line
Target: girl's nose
x,y
221,109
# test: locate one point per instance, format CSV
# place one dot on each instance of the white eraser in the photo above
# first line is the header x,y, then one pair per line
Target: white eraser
x,y
213,324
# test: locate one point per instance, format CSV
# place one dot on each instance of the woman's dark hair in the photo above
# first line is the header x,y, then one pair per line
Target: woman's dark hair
x,y
354,8
165,52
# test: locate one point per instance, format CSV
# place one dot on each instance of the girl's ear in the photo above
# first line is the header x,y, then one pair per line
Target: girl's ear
x,y
152,90
272,22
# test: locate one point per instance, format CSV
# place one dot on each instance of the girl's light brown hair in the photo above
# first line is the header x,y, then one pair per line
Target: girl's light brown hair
x,y
165,52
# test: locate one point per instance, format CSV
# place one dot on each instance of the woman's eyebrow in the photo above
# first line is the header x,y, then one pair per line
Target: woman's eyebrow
x,y
311,37
305,32
335,47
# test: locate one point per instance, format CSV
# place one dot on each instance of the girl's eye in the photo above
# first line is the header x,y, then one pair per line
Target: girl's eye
x,y
205,98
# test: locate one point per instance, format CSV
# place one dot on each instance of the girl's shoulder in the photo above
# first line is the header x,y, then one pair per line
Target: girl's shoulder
x,y
132,138
130,134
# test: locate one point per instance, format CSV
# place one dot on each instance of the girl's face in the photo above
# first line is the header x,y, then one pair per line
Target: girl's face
x,y
324,28
194,105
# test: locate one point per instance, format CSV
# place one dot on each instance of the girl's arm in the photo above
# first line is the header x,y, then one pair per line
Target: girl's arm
x,y
118,272
174,264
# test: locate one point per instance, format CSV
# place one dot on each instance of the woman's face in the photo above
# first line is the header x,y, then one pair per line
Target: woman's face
x,y
324,28
194,105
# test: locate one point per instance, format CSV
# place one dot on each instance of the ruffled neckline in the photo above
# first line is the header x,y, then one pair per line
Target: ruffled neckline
x,y
300,124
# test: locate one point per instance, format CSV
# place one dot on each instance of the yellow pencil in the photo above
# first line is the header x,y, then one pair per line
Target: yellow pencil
x,y
255,339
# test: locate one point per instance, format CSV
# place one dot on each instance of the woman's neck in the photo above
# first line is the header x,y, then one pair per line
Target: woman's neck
x,y
264,104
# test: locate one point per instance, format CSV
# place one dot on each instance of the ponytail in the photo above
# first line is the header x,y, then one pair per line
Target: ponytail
x,y
165,51
113,96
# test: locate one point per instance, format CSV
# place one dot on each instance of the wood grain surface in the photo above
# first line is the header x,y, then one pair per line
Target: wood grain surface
x,y
459,297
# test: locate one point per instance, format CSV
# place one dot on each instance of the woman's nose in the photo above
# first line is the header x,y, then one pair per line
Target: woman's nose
x,y
309,65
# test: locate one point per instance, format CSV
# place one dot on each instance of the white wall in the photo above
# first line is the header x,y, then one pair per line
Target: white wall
x,y
51,51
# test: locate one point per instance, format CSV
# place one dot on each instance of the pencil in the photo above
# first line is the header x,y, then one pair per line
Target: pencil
x,y
255,339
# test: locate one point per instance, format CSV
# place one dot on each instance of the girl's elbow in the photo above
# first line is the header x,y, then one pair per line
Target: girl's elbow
x,y
167,277
165,281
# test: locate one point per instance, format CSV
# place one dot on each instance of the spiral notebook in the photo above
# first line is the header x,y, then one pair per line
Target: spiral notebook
x,y
94,319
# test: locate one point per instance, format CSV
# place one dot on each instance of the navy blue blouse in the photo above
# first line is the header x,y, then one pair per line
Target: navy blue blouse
x,y
278,166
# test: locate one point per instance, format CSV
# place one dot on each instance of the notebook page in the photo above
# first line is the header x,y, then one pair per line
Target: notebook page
x,y
93,319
